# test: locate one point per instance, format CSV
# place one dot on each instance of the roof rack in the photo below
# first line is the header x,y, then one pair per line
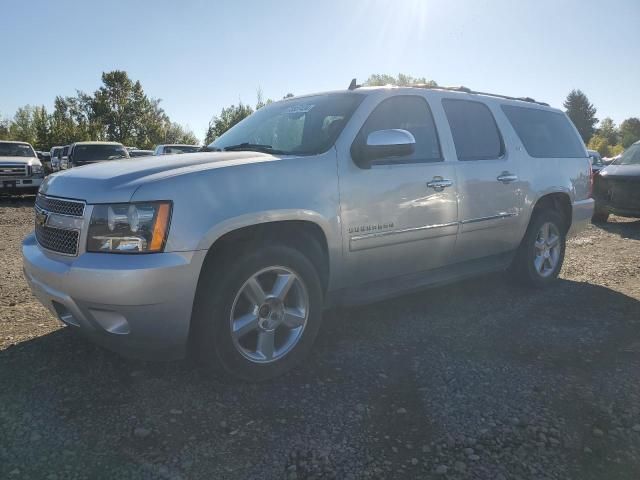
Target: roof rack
x,y
353,85
468,90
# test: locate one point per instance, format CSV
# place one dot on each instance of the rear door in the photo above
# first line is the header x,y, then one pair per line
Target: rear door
x,y
393,222
488,185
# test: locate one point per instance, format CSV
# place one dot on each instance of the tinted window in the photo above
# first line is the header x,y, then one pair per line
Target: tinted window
x,y
411,113
171,149
631,156
16,150
94,153
474,130
302,126
544,134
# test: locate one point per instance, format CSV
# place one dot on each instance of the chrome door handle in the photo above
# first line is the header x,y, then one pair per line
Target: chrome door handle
x,y
506,177
439,183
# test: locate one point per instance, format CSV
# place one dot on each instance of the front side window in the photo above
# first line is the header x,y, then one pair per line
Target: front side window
x,y
16,150
300,126
94,153
545,133
474,130
406,112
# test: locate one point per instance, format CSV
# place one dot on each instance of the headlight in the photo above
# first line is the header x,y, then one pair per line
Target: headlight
x,y
129,227
36,169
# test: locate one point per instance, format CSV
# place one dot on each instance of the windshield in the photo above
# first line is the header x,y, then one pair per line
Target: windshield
x,y
169,149
631,156
94,153
16,150
301,126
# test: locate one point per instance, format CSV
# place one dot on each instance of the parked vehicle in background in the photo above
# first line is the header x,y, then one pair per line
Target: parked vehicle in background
x,y
140,153
617,187
85,153
328,199
21,170
64,157
55,153
45,160
596,161
175,148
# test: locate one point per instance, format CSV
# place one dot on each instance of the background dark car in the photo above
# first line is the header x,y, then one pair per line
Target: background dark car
x,y
84,153
596,161
617,187
140,153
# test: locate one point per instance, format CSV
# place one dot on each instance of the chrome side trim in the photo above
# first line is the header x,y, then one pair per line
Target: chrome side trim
x,y
492,217
355,238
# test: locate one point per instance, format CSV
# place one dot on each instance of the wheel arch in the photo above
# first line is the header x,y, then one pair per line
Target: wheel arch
x,y
305,231
558,201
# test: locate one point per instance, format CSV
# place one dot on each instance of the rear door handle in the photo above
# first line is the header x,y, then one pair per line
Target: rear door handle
x,y
439,183
506,177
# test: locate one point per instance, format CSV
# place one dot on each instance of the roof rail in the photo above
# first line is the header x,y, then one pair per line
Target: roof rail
x,y
468,90
353,85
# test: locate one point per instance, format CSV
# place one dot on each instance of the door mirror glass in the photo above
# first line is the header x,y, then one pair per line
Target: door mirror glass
x,y
392,142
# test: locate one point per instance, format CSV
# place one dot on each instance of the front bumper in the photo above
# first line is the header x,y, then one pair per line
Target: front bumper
x,y
582,211
136,305
20,185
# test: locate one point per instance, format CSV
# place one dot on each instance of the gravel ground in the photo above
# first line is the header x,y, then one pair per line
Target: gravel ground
x,y
479,380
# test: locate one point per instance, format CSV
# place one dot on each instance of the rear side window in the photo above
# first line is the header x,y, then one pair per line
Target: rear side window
x,y
544,134
474,130
411,113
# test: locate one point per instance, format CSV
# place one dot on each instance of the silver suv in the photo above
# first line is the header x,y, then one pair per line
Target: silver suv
x,y
329,199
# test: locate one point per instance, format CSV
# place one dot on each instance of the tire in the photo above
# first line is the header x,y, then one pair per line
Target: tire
x,y
531,267
227,295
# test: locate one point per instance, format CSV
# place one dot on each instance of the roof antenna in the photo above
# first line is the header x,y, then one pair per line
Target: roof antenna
x,y
353,85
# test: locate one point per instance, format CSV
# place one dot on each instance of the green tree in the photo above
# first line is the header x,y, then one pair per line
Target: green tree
x,y
402,80
4,128
42,128
22,127
601,144
582,113
176,133
630,131
228,117
608,130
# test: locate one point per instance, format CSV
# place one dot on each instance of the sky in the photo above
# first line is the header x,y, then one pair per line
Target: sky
x,y
199,56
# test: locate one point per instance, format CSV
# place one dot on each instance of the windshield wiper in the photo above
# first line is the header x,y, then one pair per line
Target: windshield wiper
x,y
252,147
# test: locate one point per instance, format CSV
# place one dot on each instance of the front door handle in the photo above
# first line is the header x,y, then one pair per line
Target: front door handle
x,y
439,183
507,177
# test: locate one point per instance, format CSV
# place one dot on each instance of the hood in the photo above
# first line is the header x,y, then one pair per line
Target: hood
x,y
621,171
117,180
23,160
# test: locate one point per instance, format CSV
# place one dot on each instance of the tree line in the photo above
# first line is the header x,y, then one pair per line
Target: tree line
x,y
120,111
605,136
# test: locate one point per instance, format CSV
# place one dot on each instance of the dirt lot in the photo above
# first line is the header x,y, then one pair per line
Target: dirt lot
x,y
477,380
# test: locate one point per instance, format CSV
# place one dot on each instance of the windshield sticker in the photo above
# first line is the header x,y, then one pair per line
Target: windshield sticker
x,y
304,108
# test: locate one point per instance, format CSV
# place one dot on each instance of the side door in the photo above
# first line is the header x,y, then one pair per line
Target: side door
x,y
490,199
399,215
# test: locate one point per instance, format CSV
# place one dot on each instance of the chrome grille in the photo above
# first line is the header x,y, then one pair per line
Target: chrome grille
x,y
58,240
13,170
62,207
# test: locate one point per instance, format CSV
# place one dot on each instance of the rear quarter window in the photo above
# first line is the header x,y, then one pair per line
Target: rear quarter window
x,y
544,133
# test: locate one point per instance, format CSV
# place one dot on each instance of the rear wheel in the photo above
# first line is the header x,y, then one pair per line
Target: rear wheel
x,y
539,258
257,316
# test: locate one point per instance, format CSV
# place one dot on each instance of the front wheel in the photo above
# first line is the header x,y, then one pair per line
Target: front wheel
x,y
541,253
258,316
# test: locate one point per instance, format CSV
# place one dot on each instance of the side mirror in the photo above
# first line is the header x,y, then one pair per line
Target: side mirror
x,y
383,144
